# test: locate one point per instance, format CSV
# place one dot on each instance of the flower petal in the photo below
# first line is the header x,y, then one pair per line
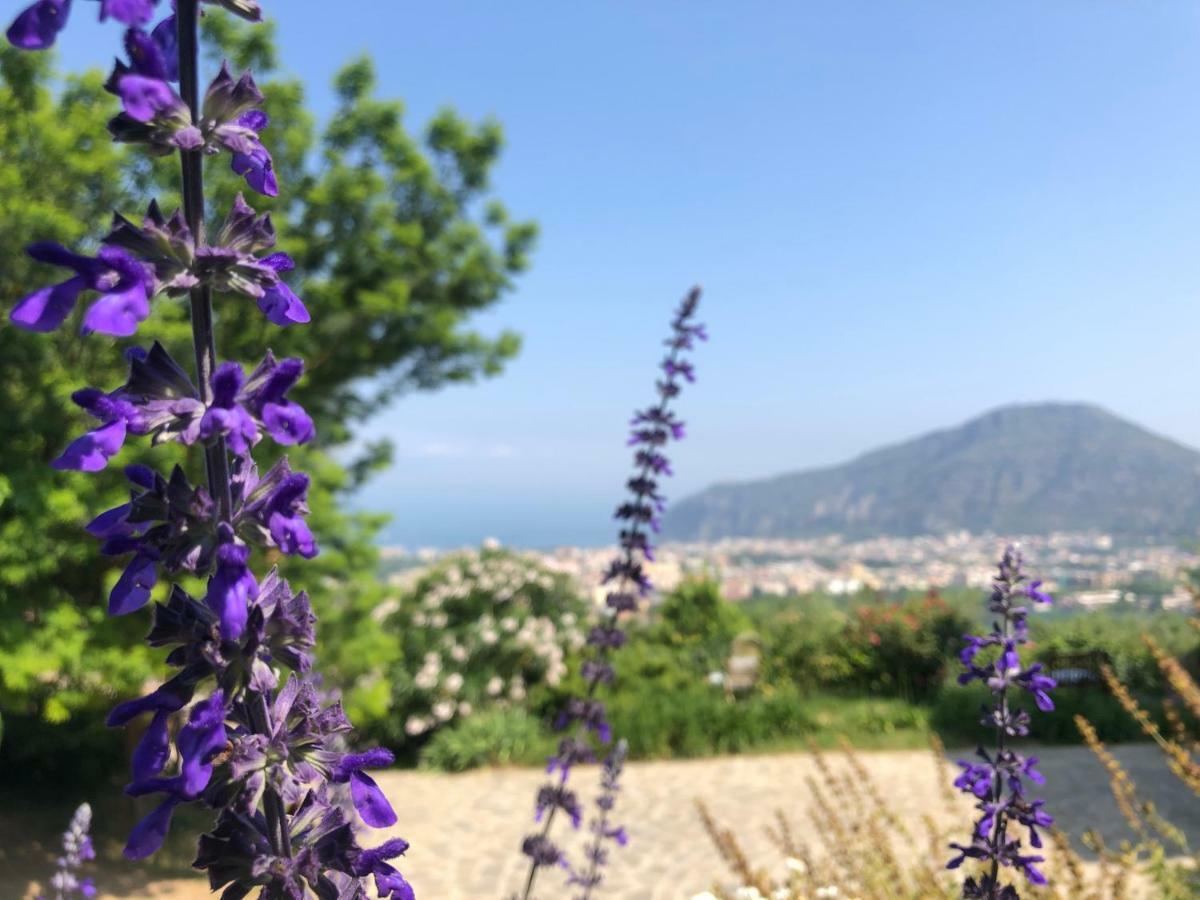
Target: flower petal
x,y
370,802
92,451
132,590
39,24
118,314
149,834
153,749
46,309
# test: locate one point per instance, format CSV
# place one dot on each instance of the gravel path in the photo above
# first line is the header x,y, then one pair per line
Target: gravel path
x,y
465,833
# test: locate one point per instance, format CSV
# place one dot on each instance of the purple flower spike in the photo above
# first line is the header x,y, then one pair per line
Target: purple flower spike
x,y
997,784
653,429
260,747
37,26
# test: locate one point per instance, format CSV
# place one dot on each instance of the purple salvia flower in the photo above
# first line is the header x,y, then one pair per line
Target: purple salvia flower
x,y
38,25
603,831
129,12
652,429
159,400
369,800
121,281
66,883
997,783
263,751
253,161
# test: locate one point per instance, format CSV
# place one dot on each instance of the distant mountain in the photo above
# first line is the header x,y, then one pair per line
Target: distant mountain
x,y
1016,470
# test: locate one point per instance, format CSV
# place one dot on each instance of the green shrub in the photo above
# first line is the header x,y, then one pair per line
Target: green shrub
x,y
700,720
895,649
956,715
476,632
697,624
498,737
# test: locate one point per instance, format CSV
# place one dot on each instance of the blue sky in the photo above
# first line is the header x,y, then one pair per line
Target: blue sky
x,y
902,214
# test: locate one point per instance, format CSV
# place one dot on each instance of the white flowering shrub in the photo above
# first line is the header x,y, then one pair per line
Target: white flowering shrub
x,y
477,632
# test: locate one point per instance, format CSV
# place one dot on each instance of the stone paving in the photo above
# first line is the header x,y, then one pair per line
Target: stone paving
x,y
465,829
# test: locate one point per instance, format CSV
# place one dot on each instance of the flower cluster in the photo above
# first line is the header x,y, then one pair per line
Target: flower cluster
x,y
239,725
627,584
77,849
486,627
997,782
161,257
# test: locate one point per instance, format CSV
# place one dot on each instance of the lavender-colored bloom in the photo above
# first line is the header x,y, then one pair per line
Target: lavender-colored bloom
x,y
152,113
253,161
369,800
38,25
388,882
66,882
199,741
998,782
651,430
232,587
278,302
274,508
602,829
119,279
159,400
130,12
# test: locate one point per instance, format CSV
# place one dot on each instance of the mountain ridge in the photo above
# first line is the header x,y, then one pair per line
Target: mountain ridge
x,y
1027,468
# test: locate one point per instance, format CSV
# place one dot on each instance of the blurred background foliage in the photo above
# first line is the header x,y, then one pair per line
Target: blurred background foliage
x,y
398,241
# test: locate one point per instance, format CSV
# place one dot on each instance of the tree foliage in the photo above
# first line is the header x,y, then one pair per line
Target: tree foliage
x,y
398,241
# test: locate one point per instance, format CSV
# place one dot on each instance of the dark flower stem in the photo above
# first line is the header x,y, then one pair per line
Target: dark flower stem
x,y
998,780
216,456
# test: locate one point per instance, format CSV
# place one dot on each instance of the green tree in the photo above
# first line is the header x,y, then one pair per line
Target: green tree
x,y
398,241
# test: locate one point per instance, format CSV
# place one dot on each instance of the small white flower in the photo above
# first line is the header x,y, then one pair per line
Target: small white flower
x,y
443,710
509,624
465,709
454,682
415,725
495,686
458,653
